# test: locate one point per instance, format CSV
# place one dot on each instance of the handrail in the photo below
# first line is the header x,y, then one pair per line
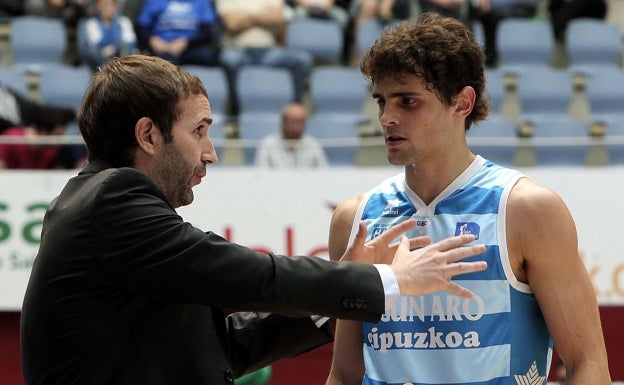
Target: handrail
x,y
342,142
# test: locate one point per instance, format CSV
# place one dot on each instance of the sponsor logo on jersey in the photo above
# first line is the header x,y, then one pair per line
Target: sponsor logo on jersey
x,y
432,308
467,228
377,230
392,207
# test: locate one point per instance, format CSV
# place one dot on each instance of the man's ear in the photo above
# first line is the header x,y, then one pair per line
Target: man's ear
x,y
147,135
465,101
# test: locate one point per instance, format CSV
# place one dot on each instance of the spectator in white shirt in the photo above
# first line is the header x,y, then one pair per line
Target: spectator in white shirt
x,y
292,147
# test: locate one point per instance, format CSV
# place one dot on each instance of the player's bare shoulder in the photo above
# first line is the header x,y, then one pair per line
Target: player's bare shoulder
x,y
529,198
346,209
538,223
341,224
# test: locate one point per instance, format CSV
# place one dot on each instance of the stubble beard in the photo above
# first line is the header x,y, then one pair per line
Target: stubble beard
x,y
171,174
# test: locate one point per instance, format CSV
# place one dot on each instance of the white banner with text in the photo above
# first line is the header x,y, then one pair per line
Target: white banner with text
x,y
288,212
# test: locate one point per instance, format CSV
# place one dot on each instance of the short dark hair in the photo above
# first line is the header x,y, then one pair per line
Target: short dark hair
x,y
123,91
440,50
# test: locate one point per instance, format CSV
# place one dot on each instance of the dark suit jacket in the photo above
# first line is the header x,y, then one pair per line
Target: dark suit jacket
x,y
124,292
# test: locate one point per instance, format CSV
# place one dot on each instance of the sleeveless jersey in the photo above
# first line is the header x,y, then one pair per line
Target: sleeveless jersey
x,y
497,337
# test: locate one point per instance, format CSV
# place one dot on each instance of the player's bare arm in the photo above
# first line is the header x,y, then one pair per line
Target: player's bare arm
x,y
543,247
347,361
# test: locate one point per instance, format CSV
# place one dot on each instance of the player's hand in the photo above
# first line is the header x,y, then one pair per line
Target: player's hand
x,y
379,250
431,268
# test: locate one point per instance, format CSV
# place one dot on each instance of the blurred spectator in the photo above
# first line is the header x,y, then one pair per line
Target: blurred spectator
x,y
17,110
467,11
458,9
30,156
70,11
562,11
292,147
106,34
385,11
11,7
131,8
254,36
322,9
22,117
489,17
180,31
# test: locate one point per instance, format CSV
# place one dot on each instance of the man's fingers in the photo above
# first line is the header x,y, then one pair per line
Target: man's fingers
x,y
419,242
454,242
459,290
397,230
464,252
467,267
354,250
360,237
404,245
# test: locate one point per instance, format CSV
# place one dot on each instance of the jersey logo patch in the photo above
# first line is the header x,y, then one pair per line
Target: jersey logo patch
x,y
467,228
532,377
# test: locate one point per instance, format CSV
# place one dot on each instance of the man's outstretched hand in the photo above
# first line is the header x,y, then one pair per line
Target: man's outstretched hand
x,y
426,269
379,250
431,268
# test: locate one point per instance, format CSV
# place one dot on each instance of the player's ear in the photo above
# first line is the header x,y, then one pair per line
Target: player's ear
x,y
465,101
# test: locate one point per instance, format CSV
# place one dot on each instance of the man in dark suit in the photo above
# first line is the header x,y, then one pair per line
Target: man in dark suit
x,y
123,291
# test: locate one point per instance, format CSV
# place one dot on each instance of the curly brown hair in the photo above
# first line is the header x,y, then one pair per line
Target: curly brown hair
x,y
440,50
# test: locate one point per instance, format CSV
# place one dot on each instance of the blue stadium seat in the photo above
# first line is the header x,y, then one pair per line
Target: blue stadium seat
x,y
14,79
591,42
263,89
322,38
63,86
544,91
523,42
561,141
366,33
604,87
495,88
614,142
495,139
340,137
36,40
339,90
253,126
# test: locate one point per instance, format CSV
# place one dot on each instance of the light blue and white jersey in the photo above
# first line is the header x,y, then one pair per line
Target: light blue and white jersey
x,y
497,337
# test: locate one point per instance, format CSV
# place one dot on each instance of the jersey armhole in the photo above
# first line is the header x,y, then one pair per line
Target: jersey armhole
x,y
358,216
502,237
